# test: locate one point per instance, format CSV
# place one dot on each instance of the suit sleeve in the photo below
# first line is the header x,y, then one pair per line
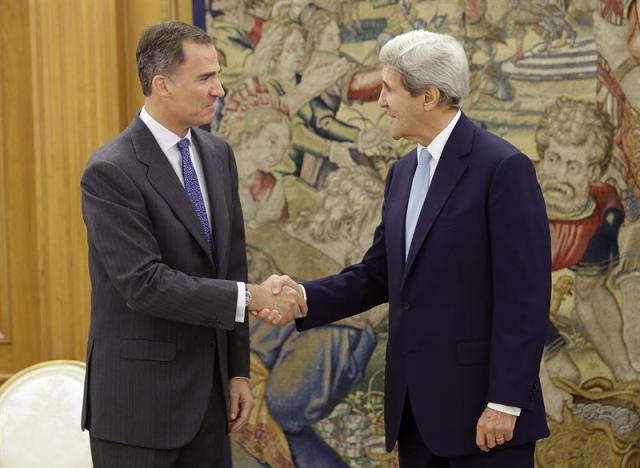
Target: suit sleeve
x,y
238,338
521,262
355,289
121,234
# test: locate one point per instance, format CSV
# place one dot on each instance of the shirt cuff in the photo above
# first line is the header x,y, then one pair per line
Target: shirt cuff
x,y
512,410
304,293
239,377
241,304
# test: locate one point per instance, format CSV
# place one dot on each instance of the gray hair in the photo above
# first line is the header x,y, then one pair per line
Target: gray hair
x,y
160,49
425,58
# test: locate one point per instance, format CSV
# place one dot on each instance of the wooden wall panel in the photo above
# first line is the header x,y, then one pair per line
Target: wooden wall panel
x,y
5,317
19,284
75,93
69,84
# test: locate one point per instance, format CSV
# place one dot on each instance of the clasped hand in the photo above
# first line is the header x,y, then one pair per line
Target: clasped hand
x,y
278,300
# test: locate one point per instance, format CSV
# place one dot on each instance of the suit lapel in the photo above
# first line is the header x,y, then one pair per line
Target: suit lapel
x,y
403,178
448,172
163,178
220,222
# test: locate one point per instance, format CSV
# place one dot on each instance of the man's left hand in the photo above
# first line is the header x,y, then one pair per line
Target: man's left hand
x,y
241,403
494,428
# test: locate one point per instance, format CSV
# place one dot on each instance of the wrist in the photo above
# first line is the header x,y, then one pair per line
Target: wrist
x,y
257,297
248,297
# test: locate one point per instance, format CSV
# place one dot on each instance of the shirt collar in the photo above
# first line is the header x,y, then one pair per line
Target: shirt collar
x,y
165,137
437,144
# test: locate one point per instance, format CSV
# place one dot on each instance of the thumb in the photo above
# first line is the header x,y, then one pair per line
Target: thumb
x,y
277,285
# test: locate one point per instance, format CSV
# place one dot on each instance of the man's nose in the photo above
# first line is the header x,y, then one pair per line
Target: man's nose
x,y
382,99
562,171
217,89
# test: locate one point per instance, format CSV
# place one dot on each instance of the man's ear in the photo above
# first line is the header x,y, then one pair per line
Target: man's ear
x,y
595,172
160,85
431,98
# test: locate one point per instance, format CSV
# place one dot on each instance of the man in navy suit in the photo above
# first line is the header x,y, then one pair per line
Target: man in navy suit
x,y
462,255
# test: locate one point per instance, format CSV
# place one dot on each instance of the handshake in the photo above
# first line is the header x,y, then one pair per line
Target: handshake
x,y
278,300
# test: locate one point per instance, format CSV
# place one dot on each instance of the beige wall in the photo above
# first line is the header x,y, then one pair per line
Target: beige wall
x,y
68,84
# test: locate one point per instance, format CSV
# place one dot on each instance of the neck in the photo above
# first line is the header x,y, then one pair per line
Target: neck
x,y
434,122
164,117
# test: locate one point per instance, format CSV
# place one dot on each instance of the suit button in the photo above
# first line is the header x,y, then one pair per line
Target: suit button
x,y
212,344
405,306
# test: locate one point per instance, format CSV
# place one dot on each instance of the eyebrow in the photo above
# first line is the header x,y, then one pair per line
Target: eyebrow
x,y
209,74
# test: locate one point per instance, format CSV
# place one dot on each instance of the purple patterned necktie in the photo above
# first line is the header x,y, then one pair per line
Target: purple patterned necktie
x,y
192,187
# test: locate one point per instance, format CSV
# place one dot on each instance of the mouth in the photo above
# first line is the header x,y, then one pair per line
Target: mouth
x,y
558,191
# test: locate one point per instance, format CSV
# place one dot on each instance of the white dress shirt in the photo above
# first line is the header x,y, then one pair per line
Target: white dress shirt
x,y
167,140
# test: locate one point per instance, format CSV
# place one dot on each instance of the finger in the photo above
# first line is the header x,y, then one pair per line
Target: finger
x,y
274,317
500,439
233,426
505,426
481,440
242,417
491,439
302,305
288,318
269,316
263,314
282,281
276,286
234,399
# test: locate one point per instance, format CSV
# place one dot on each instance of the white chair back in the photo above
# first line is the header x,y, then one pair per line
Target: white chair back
x,y
40,418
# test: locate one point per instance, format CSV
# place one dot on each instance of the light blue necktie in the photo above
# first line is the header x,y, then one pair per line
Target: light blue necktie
x,y
419,188
192,186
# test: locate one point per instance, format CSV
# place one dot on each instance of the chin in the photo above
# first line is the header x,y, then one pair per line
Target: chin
x,y
204,121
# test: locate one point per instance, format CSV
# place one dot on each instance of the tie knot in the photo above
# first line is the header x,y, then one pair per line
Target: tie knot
x,y
424,157
183,146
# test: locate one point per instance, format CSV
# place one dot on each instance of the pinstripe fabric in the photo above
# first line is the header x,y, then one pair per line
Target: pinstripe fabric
x,y
163,306
106,454
205,450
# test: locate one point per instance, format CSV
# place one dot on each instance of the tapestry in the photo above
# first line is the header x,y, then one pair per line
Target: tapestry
x,y
560,79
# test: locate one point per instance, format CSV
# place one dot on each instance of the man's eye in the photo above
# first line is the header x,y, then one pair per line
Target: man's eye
x,y
552,157
574,167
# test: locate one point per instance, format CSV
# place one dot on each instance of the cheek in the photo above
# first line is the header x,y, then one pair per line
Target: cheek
x,y
275,154
579,182
549,170
582,180
281,149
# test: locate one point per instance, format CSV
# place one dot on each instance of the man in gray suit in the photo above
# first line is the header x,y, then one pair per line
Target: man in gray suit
x,y
168,352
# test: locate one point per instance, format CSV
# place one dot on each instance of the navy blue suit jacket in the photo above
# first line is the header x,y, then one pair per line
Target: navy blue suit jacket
x,y
469,307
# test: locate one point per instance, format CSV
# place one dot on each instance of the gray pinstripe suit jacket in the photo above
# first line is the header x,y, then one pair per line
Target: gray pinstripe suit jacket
x,y
162,307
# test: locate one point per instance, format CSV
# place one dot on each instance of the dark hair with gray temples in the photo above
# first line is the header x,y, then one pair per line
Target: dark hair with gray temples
x,y
425,58
160,49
